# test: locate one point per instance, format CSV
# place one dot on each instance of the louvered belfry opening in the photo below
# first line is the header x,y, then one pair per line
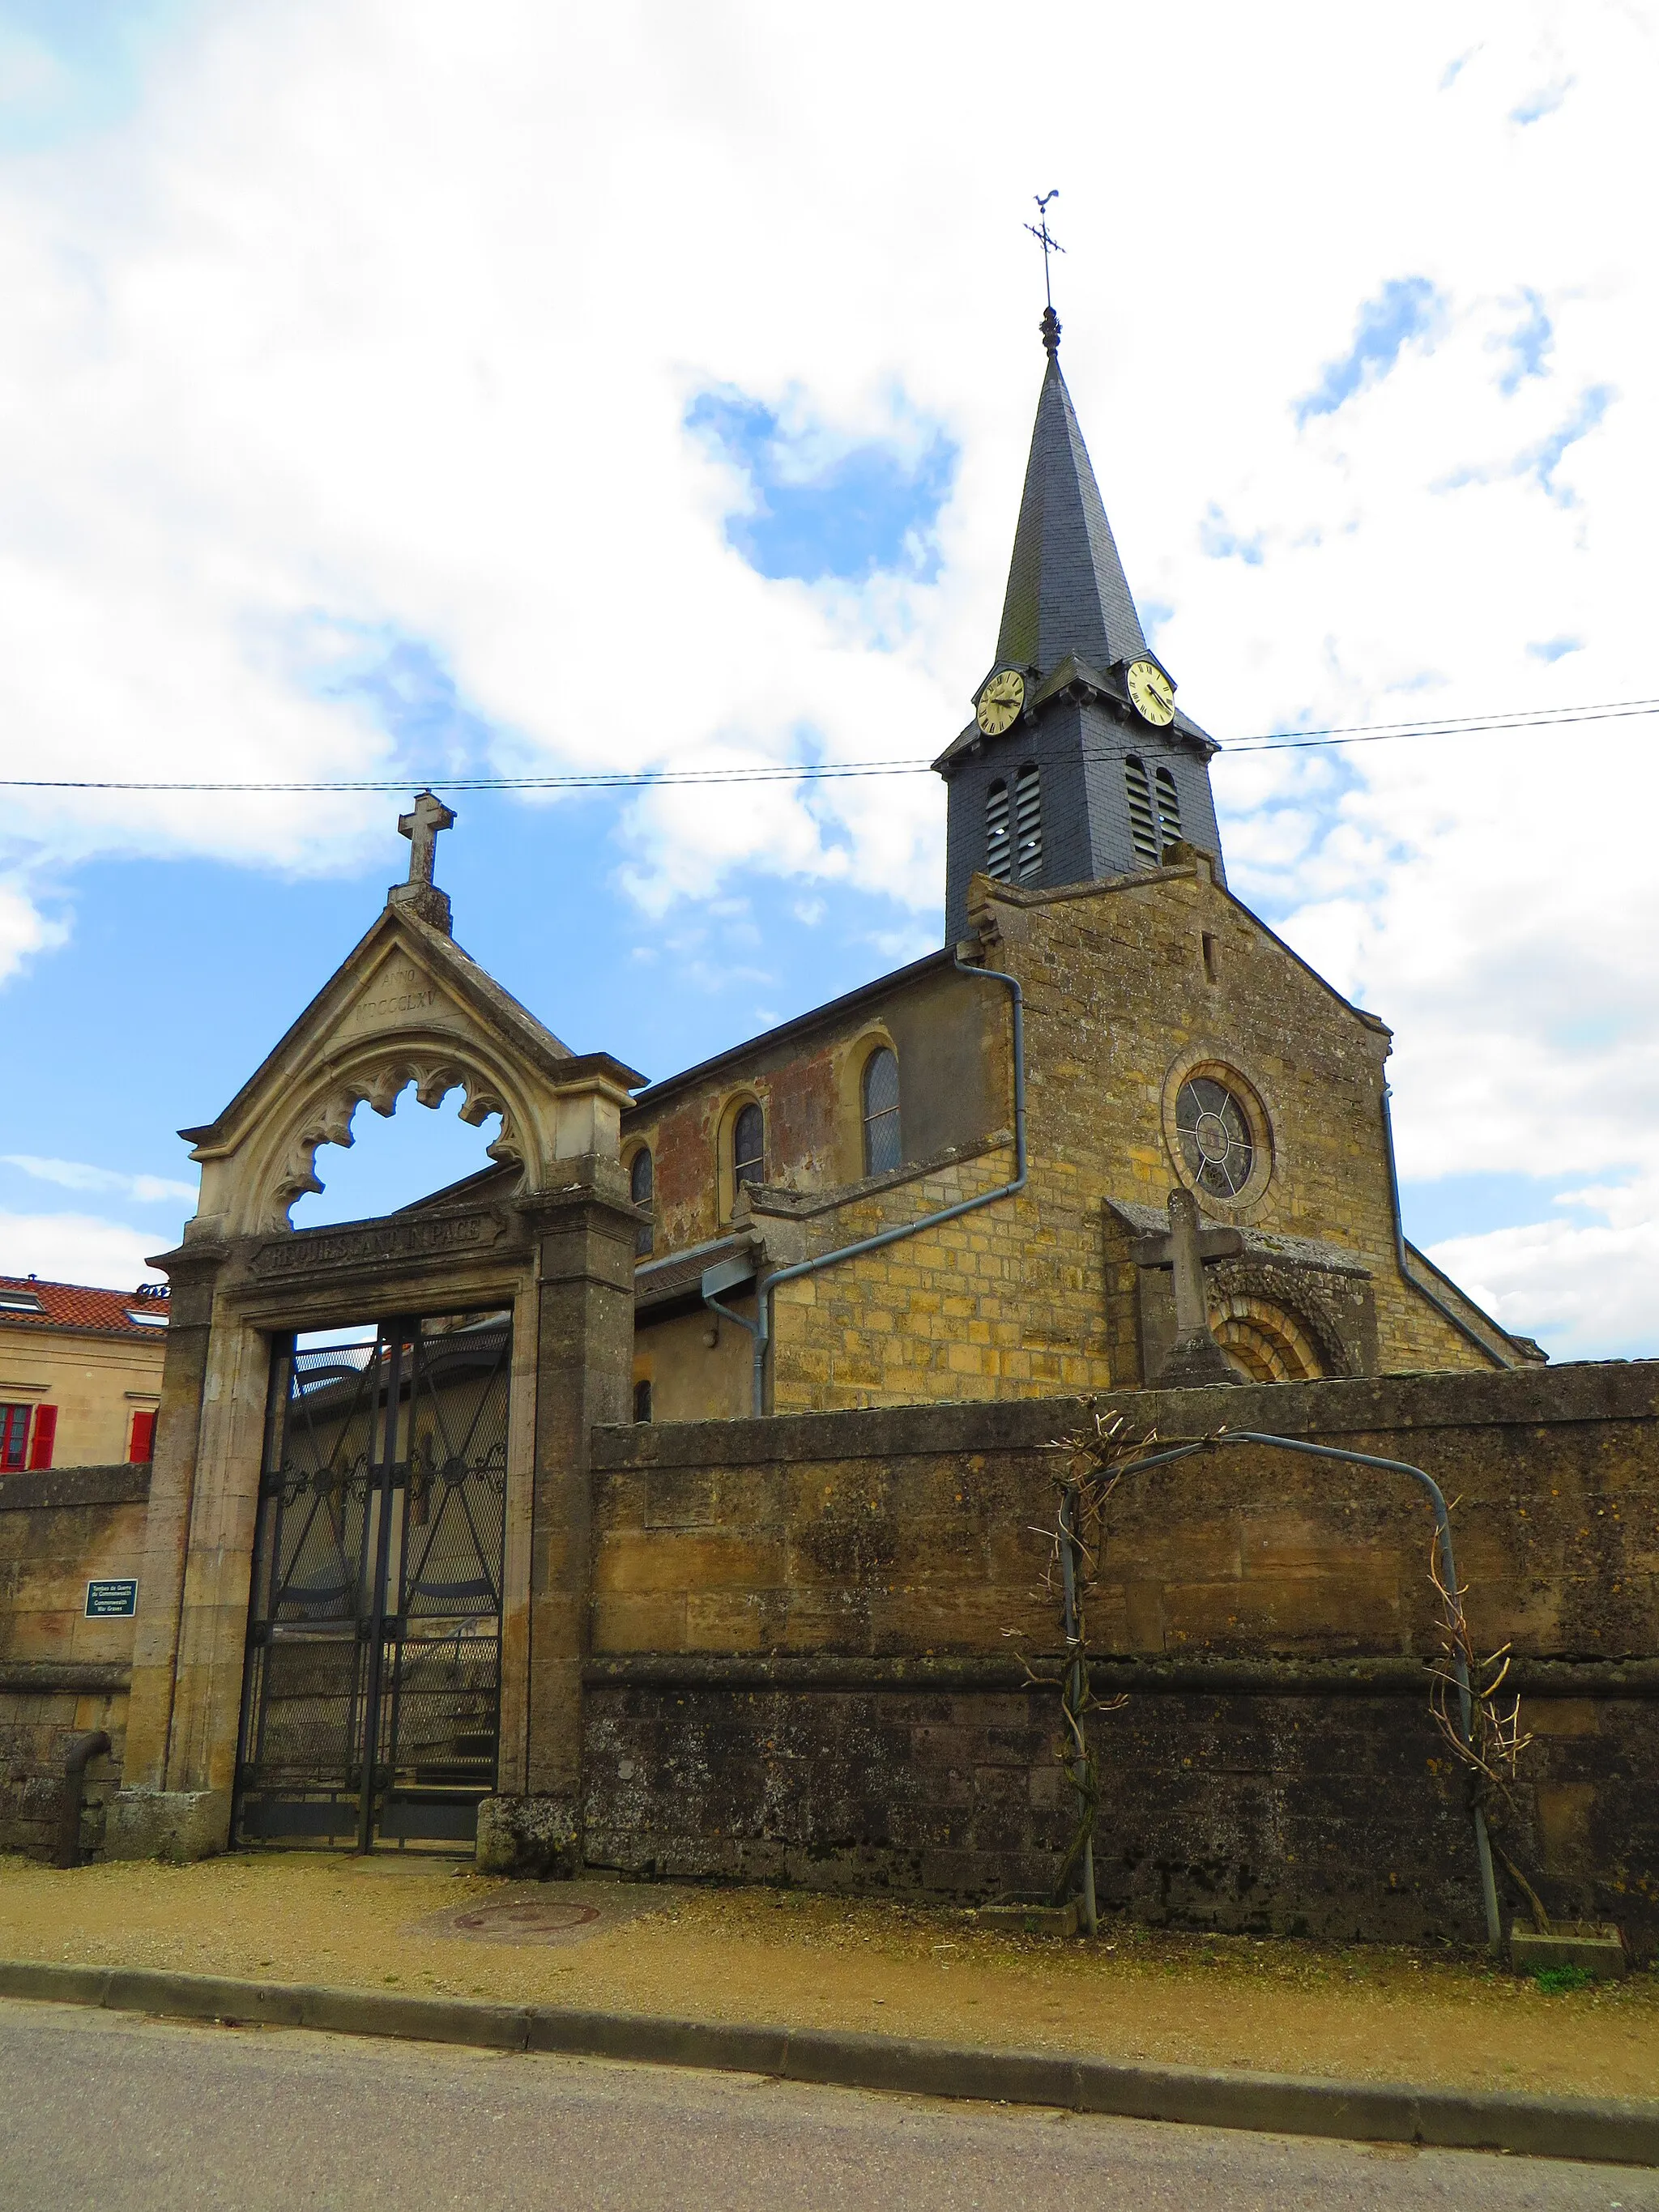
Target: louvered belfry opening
x,y
998,858
1143,828
1028,822
1169,809
371,1713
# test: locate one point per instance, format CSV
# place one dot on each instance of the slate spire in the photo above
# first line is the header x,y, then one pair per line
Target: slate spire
x,y
1067,592
1065,777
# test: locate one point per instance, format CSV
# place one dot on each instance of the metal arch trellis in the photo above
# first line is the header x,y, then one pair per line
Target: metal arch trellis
x,y
1074,1682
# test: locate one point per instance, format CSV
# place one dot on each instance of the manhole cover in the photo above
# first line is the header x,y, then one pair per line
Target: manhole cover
x,y
555,1912
529,1916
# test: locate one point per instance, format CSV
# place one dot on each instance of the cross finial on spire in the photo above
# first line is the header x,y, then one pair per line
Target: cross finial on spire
x,y
1050,244
420,896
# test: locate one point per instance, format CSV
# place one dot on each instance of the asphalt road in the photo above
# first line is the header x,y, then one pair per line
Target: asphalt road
x,y
111,2110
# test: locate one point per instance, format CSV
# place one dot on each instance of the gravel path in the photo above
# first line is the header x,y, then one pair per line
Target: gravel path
x,y
792,1958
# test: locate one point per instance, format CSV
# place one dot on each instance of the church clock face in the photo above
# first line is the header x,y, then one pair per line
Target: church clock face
x,y
1151,693
1000,701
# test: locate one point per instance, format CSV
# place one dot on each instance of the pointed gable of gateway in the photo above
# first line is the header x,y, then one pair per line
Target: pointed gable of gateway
x,y
407,1009
1067,592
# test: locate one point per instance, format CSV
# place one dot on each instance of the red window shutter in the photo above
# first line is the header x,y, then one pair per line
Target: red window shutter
x,y
46,1428
142,1447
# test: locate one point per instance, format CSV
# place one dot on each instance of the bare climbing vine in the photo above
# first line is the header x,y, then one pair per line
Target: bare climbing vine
x,y
1491,1751
1090,1463
1487,1739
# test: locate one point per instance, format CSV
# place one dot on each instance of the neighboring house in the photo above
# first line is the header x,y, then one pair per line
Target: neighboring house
x,y
80,1372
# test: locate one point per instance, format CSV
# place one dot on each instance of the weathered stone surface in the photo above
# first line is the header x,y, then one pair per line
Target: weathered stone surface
x,y
1130,987
845,1710
180,1825
61,1673
1595,1951
536,1836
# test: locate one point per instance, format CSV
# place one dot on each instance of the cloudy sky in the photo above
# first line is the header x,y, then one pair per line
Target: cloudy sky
x,y
390,388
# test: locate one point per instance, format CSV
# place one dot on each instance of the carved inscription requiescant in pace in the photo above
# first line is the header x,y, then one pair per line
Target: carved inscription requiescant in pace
x,y
386,1242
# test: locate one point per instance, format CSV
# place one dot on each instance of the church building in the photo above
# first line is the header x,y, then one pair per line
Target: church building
x,y
955,1181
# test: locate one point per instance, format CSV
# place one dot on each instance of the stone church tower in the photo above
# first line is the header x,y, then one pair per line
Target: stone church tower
x,y
1078,764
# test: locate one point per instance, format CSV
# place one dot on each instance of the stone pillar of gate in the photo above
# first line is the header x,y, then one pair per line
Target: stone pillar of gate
x,y
148,1819
584,1233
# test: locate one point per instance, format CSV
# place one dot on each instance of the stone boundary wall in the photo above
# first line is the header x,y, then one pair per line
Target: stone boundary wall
x,y
800,1668
61,1673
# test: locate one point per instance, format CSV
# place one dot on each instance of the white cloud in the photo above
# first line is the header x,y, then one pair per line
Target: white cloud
x,y
23,928
1589,1289
76,1248
340,336
75,1175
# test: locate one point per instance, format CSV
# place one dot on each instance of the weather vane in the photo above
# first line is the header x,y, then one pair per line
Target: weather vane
x,y
1039,231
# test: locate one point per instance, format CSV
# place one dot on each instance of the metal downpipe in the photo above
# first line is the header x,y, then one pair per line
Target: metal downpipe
x,y
764,1306
1401,1261
82,1752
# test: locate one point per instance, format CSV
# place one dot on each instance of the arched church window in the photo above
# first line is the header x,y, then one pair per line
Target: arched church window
x,y
1215,1136
997,854
1028,822
641,1181
1169,808
748,1147
882,1149
1143,830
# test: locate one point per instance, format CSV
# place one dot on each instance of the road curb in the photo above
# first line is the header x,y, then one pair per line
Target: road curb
x,y
1617,2131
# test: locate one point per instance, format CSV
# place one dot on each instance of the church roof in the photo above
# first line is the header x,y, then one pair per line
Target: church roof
x,y
1067,592
832,1010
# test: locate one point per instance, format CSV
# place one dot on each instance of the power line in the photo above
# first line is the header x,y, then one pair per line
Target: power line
x,y
1451,727
834,771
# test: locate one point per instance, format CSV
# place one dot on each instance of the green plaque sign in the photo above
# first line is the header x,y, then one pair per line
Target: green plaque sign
x,y
116,1599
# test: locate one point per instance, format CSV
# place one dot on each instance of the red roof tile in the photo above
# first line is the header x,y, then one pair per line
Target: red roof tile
x,y
77,1305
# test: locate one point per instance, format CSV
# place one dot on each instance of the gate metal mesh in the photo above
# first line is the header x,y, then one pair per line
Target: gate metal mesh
x,y
377,1587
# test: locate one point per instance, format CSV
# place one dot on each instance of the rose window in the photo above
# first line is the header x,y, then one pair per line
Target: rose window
x,y
1215,1136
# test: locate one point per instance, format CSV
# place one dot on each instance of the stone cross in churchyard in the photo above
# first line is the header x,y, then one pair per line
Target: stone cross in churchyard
x,y
1194,1358
420,895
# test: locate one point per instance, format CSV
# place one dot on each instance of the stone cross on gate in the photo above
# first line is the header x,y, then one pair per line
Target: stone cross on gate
x,y
421,826
1194,1358
420,896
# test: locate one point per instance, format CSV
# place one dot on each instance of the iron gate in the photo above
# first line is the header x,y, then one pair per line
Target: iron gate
x,y
372,1697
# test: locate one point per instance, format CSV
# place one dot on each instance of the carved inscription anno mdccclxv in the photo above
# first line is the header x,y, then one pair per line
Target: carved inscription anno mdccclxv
x,y
398,991
383,1242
